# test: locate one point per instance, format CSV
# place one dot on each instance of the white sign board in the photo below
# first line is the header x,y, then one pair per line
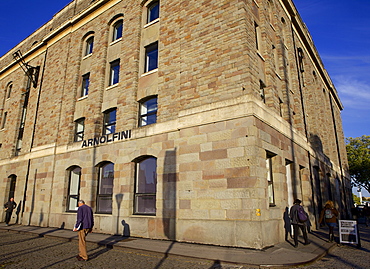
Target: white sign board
x,y
348,232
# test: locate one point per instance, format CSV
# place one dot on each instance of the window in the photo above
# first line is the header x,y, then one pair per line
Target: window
x,y
146,186
9,90
257,33
85,85
117,30
79,129
74,189
4,120
105,188
89,45
270,181
114,73
153,11
289,173
151,57
262,91
13,182
109,121
148,111
300,59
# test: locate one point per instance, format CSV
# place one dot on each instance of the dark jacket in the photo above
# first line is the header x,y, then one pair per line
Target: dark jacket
x,y
85,219
10,206
294,214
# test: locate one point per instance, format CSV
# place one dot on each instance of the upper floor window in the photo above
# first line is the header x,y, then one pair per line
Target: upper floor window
x,y
117,30
79,129
85,85
257,35
148,111
4,120
105,188
9,90
151,57
89,45
153,11
146,186
109,121
73,189
114,72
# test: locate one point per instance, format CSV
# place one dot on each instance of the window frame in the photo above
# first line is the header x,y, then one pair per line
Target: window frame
x,y
74,196
147,114
270,178
108,123
3,120
79,134
100,197
114,68
152,13
89,45
117,32
151,57
85,85
9,88
140,196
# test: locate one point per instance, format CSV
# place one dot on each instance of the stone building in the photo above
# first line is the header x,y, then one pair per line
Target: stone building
x,y
195,121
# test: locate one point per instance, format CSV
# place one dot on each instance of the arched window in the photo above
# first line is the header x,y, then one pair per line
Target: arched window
x,y
89,45
117,30
105,188
73,188
145,186
153,11
9,90
12,181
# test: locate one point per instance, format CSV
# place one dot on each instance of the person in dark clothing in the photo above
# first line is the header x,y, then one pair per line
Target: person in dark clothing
x,y
330,214
298,223
9,207
84,225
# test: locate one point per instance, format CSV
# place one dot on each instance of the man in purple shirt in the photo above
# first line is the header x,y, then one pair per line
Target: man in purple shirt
x,y
84,225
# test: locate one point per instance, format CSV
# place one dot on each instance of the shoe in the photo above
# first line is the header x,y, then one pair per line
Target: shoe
x,y
6,224
80,258
295,246
307,243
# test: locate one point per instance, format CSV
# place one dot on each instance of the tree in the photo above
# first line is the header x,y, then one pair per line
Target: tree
x,y
356,199
358,152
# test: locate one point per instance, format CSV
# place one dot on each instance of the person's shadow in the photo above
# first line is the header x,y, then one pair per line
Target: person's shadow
x,y
287,224
126,229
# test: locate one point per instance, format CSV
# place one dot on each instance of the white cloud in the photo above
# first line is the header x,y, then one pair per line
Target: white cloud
x,y
354,93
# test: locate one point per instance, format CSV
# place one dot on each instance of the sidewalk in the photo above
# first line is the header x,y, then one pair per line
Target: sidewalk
x,y
280,255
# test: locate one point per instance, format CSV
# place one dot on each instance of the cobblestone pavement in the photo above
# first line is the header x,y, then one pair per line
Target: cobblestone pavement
x,y
27,251
348,256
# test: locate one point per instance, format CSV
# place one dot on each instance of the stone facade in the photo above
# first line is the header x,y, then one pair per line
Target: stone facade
x,y
247,120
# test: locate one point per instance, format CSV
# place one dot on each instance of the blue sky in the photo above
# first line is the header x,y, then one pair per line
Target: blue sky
x,y
340,30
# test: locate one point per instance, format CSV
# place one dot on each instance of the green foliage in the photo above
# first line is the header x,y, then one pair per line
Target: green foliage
x,y
356,199
358,152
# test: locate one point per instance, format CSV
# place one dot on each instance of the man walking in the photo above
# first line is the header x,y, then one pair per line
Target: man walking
x,y
9,207
298,218
84,225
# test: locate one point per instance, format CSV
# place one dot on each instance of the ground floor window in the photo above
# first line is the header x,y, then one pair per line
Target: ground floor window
x,y
270,178
146,186
73,189
105,188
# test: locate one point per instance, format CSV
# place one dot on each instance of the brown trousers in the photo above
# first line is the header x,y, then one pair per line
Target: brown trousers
x,y
82,243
